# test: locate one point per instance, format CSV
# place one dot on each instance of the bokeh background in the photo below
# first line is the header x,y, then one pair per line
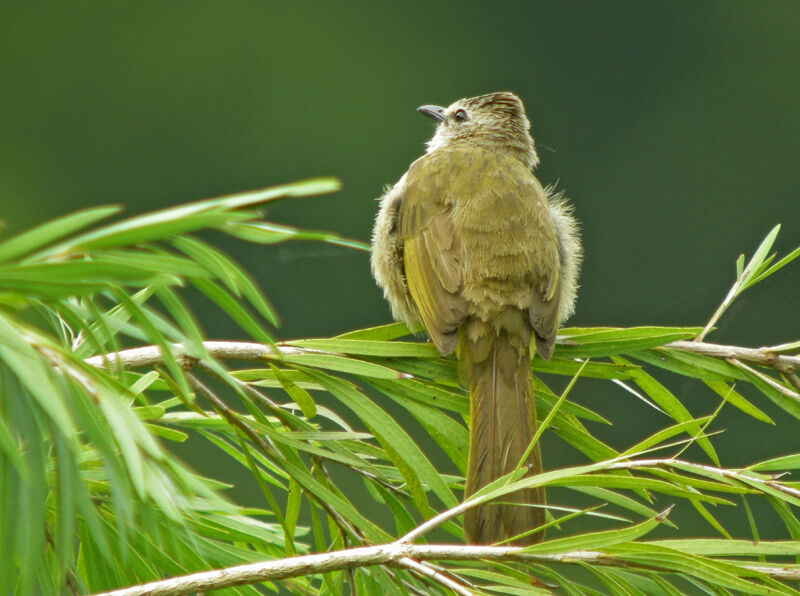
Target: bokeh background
x,y
673,126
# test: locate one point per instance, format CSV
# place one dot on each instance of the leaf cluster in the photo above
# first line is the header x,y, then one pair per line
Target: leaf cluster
x,y
103,366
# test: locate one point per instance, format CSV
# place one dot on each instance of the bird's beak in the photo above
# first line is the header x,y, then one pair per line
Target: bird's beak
x,y
435,112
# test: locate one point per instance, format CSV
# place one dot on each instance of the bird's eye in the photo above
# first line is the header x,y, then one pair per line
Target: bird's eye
x,y
460,115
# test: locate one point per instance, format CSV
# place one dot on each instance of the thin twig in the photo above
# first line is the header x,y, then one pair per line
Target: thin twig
x,y
437,521
766,356
794,380
429,571
729,298
765,378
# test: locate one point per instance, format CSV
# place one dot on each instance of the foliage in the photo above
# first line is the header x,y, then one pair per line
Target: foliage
x,y
92,498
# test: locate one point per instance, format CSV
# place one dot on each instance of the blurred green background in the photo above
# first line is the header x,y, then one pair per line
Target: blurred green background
x,y
674,127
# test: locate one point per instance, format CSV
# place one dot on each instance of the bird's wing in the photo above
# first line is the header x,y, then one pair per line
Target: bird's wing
x,y
543,315
432,253
545,300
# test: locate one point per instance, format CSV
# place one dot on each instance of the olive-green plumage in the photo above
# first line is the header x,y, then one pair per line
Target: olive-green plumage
x,y
470,247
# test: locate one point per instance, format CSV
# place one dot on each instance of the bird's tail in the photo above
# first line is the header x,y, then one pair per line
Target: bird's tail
x,y
495,360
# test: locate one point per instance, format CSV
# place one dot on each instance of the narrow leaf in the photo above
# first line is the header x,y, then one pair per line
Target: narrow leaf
x,y
736,399
671,405
54,230
753,265
299,395
360,347
341,364
403,450
381,333
598,540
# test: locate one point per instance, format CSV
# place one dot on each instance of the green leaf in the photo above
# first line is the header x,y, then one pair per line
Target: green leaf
x,y
12,450
341,364
620,500
594,370
594,342
612,581
58,280
787,517
360,347
232,307
299,395
51,231
671,405
146,228
181,314
404,523
443,371
666,433
269,233
730,548
667,589
450,435
167,433
264,377
548,418
567,584
547,399
718,367
785,462
427,393
635,483
380,333
706,514
143,382
599,540
404,452
68,490
787,403
755,262
35,375
734,398
571,430
227,271
767,487
150,325
717,482
155,262
780,264
501,583
715,572
667,359
186,218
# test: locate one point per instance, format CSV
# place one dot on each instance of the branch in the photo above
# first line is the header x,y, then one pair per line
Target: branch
x,y
767,356
416,557
413,557
224,350
396,554
256,352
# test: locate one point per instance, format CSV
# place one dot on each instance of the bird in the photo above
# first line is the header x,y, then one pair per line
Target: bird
x,y
471,248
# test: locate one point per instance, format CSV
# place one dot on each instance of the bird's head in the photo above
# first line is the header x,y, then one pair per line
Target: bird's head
x,y
496,119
